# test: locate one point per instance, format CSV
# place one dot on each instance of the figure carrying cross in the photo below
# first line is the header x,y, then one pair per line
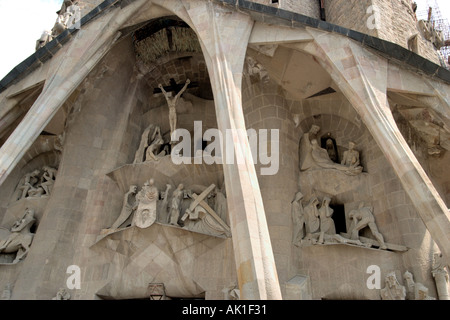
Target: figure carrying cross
x,y
172,103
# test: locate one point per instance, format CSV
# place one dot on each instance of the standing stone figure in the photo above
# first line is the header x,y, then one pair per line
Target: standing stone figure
x,y
363,217
175,206
48,179
130,204
306,161
172,104
312,221
298,219
140,153
331,150
393,289
440,276
146,213
326,222
351,156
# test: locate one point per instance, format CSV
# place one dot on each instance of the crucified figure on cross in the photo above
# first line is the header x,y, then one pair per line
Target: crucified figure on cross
x,y
172,103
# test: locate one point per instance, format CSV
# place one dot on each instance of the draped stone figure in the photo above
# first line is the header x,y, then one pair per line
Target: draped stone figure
x,y
298,219
312,220
140,153
156,142
351,156
326,222
306,161
130,204
146,212
175,206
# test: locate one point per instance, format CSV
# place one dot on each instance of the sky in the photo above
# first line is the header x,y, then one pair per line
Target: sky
x,y
23,21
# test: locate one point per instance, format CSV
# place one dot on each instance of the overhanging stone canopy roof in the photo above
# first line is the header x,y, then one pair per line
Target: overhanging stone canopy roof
x,y
258,12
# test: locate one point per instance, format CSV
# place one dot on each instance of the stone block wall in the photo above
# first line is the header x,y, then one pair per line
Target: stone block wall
x,y
308,8
397,22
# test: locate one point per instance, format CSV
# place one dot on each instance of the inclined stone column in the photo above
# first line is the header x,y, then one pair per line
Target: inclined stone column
x,y
363,77
224,35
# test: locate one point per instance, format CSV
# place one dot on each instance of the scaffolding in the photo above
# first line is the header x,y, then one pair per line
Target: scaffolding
x,y
433,14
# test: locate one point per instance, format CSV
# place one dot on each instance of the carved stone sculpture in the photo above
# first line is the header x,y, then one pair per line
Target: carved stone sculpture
x,y
200,217
48,179
20,237
361,218
62,294
312,220
440,276
326,222
146,213
331,150
421,293
139,156
175,205
28,182
393,290
312,156
306,161
321,159
130,204
298,219
172,104
45,38
351,156
155,145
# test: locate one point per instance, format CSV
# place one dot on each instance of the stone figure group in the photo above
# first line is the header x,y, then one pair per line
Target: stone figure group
x,y
314,224
313,157
393,290
153,146
18,238
205,213
67,17
36,184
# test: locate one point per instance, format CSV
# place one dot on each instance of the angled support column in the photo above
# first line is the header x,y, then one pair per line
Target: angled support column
x,y
81,57
363,77
224,35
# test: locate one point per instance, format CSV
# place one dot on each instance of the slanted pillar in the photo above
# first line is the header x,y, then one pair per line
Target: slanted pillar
x,y
224,35
82,55
363,77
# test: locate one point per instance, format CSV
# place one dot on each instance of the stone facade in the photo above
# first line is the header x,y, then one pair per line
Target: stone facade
x,y
240,233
